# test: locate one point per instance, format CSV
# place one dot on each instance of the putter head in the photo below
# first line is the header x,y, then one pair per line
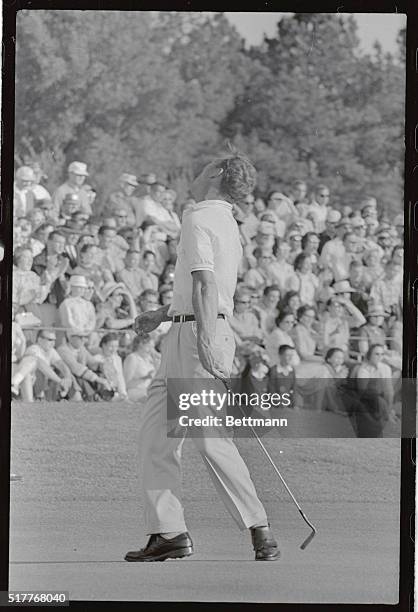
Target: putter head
x,y
308,539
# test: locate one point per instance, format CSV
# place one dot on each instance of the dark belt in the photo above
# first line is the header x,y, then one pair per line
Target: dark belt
x,y
184,318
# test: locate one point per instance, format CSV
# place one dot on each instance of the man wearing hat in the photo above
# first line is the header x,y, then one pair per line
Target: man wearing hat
x,y
75,312
88,383
123,199
23,197
77,172
332,218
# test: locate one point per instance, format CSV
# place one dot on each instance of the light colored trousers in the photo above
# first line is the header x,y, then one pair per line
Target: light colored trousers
x,y
160,456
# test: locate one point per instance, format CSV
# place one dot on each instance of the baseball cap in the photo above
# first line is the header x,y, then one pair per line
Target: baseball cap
x,y
72,197
333,216
77,167
129,178
25,173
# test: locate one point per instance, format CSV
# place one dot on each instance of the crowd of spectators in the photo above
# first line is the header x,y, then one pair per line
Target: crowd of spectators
x,y
319,288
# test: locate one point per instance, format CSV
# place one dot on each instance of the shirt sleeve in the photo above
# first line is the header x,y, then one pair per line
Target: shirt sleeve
x,y
198,248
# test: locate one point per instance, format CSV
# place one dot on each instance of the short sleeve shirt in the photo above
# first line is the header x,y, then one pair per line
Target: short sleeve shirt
x,y
210,241
51,357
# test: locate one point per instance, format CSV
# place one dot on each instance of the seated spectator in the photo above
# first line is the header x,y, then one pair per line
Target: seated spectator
x,y
148,300
306,341
106,255
324,291
310,244
41,234
244,323
77,172
112,366
70,205
262,275
136,278
254,378
28,287
72,237
372,331
335,364
281,376
303,280
330,232
281,336
341,314
279,226
374,269
290,303
36,217
360,295
140,366
84,366
23,367
388,290
110,313
54,264
295,242
90,270
75,312
50,369
268,308
280,267
166,294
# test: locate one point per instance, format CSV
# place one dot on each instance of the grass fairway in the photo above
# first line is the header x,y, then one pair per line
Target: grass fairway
x,y
78,510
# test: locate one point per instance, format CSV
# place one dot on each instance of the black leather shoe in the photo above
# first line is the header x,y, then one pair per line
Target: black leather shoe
x,y
264,544
160,549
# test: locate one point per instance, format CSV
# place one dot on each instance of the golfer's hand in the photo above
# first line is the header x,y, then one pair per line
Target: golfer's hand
x,y
212,359
146,322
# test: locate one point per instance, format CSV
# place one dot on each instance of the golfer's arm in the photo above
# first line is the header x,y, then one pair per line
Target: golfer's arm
x,y
205,304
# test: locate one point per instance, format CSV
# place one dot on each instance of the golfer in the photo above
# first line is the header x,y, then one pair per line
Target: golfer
x,y
200,344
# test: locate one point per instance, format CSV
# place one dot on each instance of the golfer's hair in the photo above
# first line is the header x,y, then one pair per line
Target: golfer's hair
x,y
108,338
238,176
330,352
371,349
285,347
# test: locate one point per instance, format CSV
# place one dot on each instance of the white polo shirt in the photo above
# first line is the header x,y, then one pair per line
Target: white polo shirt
x,y
209,240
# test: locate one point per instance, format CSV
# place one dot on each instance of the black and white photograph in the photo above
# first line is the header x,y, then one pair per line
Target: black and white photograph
x,y
207,306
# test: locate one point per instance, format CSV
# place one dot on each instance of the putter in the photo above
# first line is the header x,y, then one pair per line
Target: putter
x,y
267,454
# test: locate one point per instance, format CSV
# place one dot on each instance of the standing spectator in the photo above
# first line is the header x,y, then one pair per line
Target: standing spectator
x,y
38,190
123,199
69,206
23,198
262,275
376,394
319,207
75,312
332,219
112,366
23,367
77,173
50,367
140,366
